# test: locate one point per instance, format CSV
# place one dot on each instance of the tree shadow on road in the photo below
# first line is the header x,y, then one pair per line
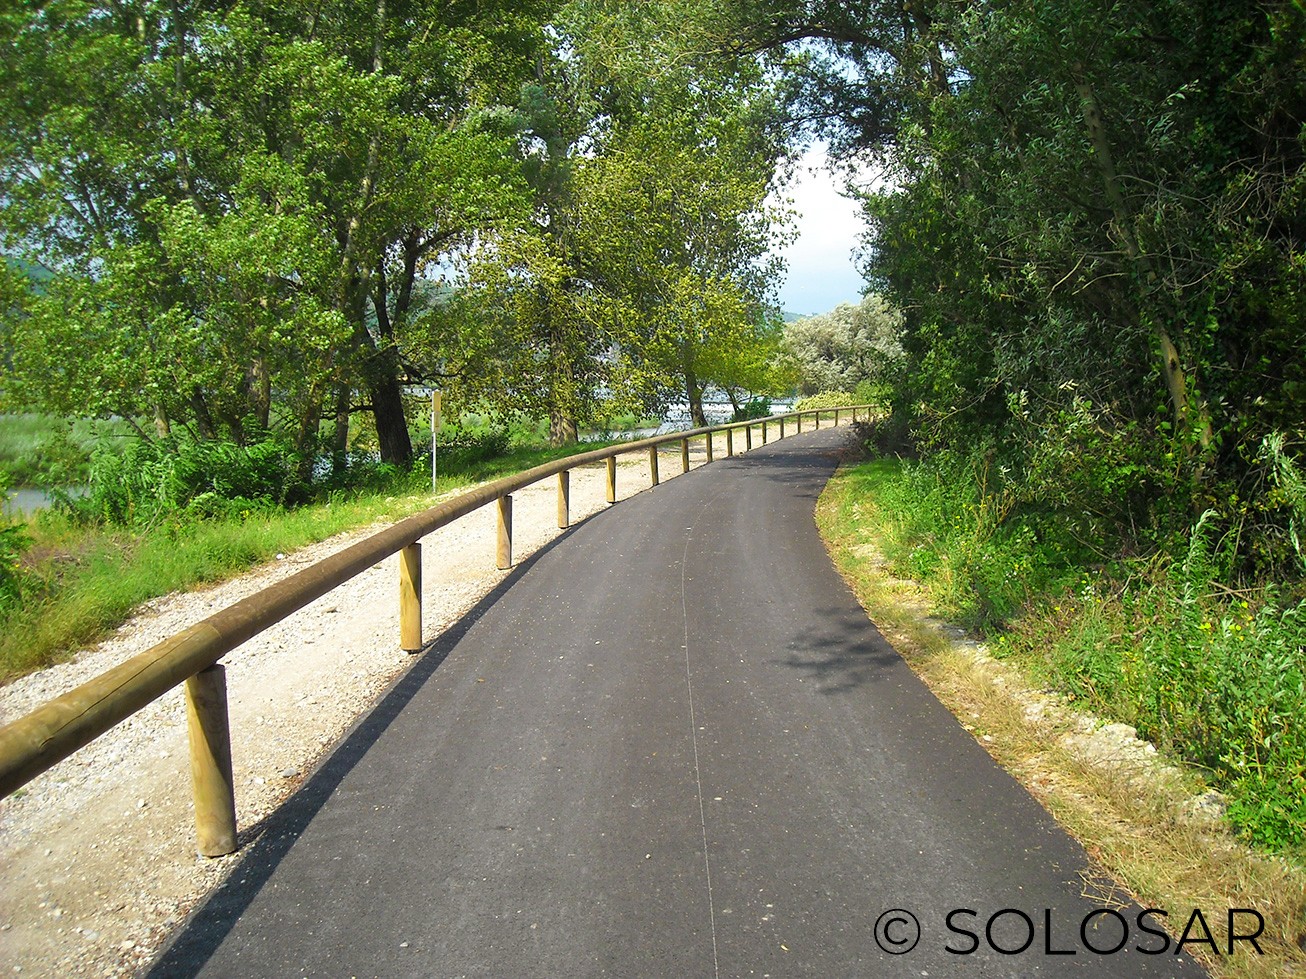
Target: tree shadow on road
x,y
264,844
847,651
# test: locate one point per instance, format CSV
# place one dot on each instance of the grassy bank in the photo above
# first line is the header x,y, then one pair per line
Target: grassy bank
x,y
83,580
1211,674
1140,827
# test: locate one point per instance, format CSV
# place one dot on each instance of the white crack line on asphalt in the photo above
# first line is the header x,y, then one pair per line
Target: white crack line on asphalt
x,y
693,735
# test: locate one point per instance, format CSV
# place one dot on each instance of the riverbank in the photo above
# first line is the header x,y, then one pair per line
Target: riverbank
x,y
79,579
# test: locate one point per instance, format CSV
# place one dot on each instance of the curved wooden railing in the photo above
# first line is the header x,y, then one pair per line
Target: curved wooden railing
x,y
39,740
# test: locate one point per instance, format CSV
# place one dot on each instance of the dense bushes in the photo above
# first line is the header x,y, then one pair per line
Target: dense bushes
x,y
1213,673
151,479
825,399
141,482
1214,676
753,408
14,540
468,448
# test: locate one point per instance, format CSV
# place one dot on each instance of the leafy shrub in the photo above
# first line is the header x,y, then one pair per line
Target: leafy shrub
x,y
467,449
826,399
754,408
149,480
13,542
1216,676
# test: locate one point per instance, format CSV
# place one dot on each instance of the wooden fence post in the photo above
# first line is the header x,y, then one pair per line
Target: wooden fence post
x,y
210,761
612,478
653,463
782,428
564,499
504,550
709,446
730,441
748,439
684,455
764,433
410,598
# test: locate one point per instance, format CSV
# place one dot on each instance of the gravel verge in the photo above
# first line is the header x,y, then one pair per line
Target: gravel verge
x,y
98,854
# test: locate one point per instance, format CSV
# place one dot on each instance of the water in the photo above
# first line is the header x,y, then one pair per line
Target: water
x,y
676,418
26,501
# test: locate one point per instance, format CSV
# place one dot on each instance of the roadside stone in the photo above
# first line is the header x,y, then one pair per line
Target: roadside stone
x,y
1207,809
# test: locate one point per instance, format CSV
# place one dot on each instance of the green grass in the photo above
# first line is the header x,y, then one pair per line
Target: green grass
x,y
1215,678
84,581
1135,828
91,579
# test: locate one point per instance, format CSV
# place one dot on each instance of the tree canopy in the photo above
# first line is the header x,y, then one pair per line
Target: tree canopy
x,y
1091,220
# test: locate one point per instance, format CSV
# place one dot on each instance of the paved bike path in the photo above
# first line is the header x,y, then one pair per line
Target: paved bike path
x,y
671,744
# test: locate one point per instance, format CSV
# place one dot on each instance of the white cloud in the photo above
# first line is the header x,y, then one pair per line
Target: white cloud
x,y
829,225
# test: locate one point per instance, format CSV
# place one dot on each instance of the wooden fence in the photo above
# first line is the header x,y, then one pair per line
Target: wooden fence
x,y
39,740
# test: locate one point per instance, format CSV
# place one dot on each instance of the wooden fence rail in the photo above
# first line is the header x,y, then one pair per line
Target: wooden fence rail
x,y
39,740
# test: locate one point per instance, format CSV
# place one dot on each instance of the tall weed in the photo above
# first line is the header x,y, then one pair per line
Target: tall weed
x,y
14,540
149,480
1214,675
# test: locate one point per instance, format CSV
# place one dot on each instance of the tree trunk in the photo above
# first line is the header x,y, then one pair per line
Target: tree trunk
x,y
391,425
258,384
734,400
381,372
1177,382
562,429
203,417
694,395
562,383
381,368
340,437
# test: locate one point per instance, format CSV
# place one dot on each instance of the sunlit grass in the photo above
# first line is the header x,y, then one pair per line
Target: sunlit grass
x,y
87,580
1136,827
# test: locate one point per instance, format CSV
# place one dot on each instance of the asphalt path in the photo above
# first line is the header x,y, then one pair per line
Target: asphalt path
x,y
670,744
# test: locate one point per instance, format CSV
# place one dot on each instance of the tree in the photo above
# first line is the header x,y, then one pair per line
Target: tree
x,y
644,266
1088,210
238,204
848,346
682,228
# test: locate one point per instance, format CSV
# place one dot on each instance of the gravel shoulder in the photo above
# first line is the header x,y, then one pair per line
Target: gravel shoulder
x,y
98,854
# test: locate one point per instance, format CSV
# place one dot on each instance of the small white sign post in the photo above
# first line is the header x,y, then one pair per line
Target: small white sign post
x,y
435,432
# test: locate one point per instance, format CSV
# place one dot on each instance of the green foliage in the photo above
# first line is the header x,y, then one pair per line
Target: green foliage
x,y
954,524
754,408
846,348
186,479
825,399
40,450
236,208
644,269
465,450
1216,677
91,575
14,540
1093,228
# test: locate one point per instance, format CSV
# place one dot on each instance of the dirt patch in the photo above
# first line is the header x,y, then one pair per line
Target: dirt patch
x,y
98,854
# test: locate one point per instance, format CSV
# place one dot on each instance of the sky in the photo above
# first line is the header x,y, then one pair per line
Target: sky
x,y
821,273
